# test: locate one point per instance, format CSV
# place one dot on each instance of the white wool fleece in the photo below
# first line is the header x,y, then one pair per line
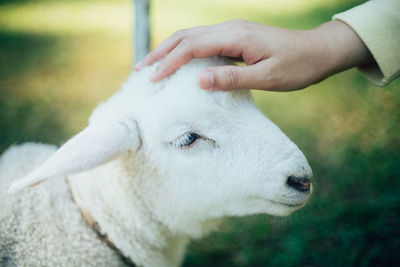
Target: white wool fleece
x,y
42,226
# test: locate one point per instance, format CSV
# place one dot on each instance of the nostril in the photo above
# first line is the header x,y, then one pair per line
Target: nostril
x,y
299,183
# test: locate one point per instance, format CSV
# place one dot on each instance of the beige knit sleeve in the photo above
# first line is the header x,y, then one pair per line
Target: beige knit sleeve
x,y
377,23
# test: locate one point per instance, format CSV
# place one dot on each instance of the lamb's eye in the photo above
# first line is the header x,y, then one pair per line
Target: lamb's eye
x,y
186,140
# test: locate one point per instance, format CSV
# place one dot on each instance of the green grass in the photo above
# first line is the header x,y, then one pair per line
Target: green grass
x,y
58,59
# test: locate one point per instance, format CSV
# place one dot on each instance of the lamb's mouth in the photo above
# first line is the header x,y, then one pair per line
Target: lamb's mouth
x,y
285,206
290,205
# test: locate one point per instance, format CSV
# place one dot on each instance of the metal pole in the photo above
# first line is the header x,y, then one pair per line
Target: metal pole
x,y
142,28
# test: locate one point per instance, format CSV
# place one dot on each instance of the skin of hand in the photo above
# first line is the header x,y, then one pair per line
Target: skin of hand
x,y
275,59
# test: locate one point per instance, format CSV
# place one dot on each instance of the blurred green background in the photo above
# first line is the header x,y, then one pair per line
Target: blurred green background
x,y
58,59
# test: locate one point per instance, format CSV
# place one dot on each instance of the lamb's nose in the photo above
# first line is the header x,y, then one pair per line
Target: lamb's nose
x,y
299,183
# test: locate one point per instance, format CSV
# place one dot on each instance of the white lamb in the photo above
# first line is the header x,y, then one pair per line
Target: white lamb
x,y
158,164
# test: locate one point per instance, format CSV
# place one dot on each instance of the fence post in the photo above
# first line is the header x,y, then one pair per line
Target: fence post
x,y
142,28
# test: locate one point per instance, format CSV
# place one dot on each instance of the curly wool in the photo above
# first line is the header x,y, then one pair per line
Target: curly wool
x,y
66,241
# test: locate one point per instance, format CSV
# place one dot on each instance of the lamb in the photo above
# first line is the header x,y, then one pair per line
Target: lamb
x,y
158,165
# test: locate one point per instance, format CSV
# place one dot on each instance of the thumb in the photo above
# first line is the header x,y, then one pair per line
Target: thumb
x,y
232,77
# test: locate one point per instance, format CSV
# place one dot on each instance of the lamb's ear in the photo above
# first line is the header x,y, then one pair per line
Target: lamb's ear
x,y
89,148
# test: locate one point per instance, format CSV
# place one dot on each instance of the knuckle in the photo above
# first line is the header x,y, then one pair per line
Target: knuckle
x,y
186,45
243,34
186,42
179,33
232,77
271,77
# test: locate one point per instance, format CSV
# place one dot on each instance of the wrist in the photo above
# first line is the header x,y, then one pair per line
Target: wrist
x,y
342,47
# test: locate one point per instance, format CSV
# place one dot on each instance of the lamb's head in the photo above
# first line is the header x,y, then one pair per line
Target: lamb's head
x,y
203,155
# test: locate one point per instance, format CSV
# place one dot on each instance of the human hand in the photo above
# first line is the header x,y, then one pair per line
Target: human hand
x,y
276,59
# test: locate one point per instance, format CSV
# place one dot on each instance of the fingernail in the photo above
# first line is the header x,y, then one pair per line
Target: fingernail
x,y
154,77
139,65
206,80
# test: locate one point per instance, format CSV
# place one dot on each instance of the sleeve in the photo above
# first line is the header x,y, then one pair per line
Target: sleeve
x,y
377,23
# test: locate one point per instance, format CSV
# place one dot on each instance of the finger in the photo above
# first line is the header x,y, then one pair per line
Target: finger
x,y
169,44
163,49
199,46
236,77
